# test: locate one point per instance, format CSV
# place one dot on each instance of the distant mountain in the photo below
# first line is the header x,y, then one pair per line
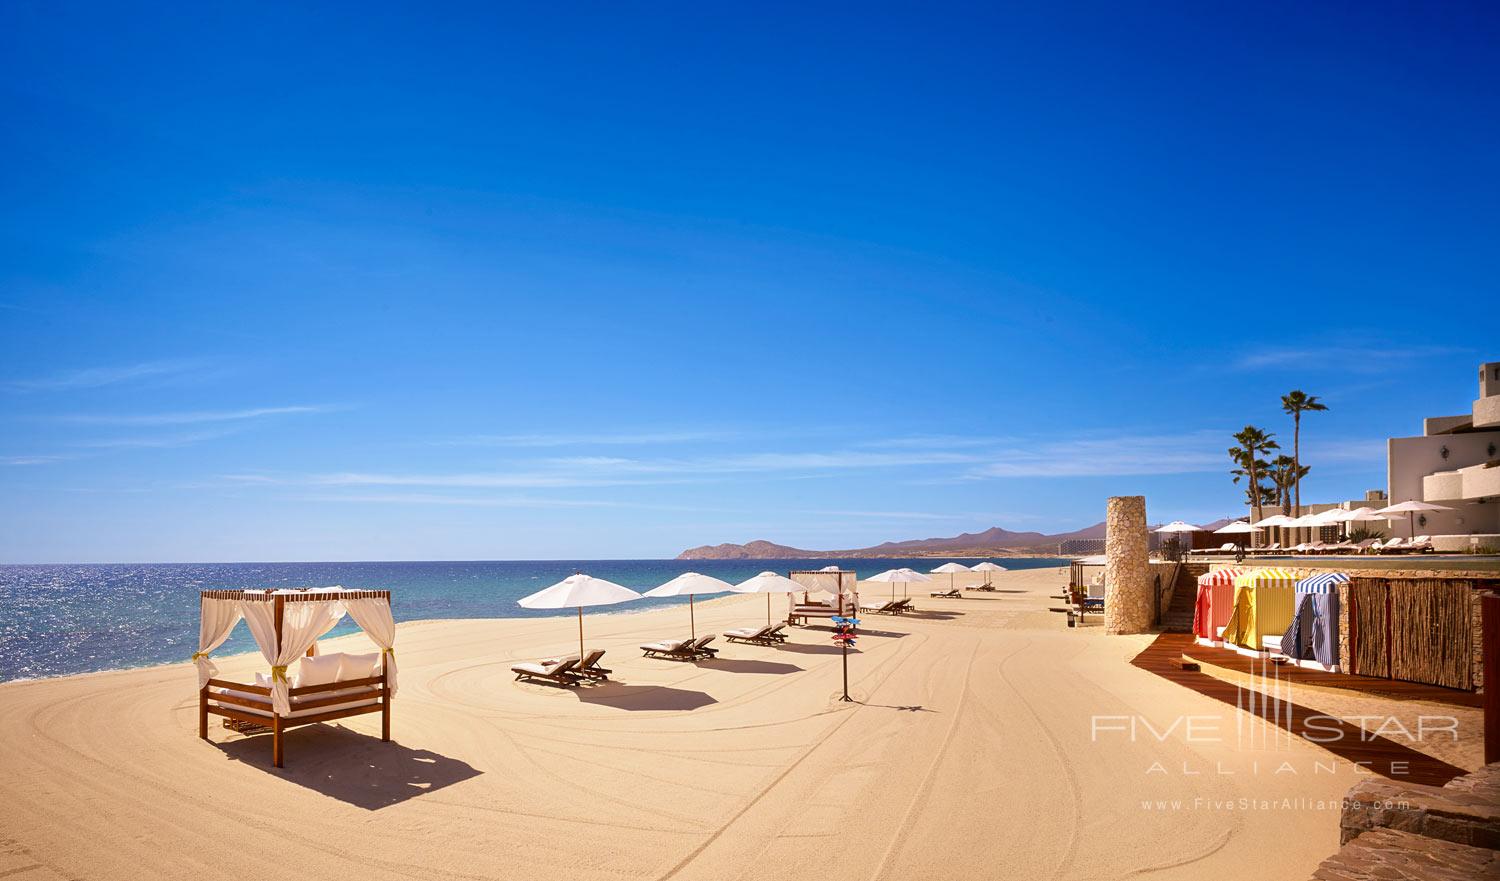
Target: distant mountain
x,y
992,542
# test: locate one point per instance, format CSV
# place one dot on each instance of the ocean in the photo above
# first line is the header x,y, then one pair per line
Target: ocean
x,y
57,620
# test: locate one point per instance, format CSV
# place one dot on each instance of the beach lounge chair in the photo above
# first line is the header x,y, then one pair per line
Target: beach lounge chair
x,y
1363,547
671,649
1420,545
757,635
700,647
775,634
951,593
559,672
1393,545
589,668
886,608
903,605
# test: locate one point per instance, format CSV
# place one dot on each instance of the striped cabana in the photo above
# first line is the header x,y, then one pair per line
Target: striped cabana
x,y
1313,633
1262,606
1215,601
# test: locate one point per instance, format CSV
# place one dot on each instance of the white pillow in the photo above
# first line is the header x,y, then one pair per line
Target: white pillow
x,y
358,666
320,670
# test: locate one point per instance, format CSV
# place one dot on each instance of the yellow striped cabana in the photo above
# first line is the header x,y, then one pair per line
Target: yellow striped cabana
x,y
1263,606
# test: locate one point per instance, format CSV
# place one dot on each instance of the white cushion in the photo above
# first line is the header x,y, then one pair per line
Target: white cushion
x,y
320,670
358,666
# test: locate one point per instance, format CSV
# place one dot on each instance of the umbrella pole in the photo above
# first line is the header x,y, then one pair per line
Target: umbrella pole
x,y
768,610
692,624
580,634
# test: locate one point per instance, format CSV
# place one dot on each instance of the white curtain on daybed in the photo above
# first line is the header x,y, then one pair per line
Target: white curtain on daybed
x,y
216,620
302,622
373,615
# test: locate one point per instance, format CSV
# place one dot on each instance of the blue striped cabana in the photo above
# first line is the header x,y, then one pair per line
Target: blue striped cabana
x,y
1313,634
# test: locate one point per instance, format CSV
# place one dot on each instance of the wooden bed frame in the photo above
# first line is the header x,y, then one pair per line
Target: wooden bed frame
x,y
377,687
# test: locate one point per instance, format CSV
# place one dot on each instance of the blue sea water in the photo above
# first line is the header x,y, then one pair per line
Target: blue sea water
x,y
62,619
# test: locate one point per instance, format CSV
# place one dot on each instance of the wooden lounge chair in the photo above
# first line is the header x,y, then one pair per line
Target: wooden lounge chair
x,y
952,593
904,605
757,635
700,647
671,649
775,634
1420,545
888,608
560,672
590,668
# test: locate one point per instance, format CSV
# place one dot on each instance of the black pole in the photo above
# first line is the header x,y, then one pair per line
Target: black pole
x,y
846,697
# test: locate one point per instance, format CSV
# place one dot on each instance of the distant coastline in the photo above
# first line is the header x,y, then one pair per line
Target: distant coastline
x,y
992,542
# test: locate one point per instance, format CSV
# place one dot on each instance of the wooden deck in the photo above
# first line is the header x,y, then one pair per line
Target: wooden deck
x,y
1385,757
1395,689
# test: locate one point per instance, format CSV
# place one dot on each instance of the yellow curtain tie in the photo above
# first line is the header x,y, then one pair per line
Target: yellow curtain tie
x,y
388,651
279,672
199,655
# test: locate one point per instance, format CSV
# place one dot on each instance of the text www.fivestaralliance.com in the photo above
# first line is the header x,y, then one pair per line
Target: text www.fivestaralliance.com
x,y
1268,804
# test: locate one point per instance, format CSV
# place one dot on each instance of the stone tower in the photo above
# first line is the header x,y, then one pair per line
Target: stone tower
x,y
1127,566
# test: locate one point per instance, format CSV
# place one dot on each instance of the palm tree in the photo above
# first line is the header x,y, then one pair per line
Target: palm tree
x,y
1296,403
1252,442
1284,473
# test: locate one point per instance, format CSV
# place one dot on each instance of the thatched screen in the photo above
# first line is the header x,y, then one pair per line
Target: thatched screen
x,y
1368,654
1432,633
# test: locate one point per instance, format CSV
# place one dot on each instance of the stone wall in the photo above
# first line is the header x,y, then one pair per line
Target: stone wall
x,y
1127,567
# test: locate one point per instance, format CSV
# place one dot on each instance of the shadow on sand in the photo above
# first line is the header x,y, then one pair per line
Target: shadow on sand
x,y
636,698
740,665
358,769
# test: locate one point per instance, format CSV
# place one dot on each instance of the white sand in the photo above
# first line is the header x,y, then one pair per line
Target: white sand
x,y
969,756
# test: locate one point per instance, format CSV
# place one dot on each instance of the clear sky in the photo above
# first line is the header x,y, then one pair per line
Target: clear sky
x,y
606,281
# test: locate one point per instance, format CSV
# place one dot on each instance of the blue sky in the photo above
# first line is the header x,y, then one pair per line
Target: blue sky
x,y
402,283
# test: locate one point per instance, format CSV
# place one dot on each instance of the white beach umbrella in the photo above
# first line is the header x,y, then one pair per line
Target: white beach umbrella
x,y
831,569
1238,527
1411,510
1179,526
768,583
952,570
579,590
987,567
690,584
1273,520
898,576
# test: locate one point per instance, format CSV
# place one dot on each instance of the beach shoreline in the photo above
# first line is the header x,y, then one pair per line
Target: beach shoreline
x,y
973,721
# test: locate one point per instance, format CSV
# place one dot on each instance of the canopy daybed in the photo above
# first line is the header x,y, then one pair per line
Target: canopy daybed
x,y
286,625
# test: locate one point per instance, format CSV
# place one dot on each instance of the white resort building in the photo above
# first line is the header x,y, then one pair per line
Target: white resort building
x,y
1454,463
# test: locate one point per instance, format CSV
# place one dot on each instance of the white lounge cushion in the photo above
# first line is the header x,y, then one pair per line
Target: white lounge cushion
x,y
666,645
320,670
359,667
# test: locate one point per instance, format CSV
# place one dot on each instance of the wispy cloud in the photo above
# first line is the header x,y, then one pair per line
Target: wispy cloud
x,y
1186,453
191,417
95,377
31,460
458,501
1355,358
150,441
474,480
588,439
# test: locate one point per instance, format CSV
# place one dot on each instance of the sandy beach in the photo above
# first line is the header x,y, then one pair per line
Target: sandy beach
x,y
975,749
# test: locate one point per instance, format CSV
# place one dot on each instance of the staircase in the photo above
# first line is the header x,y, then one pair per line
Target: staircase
x,y
1178,617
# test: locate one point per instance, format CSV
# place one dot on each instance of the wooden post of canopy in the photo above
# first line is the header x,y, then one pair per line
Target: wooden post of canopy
x,y
203,713
280,607
385,699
